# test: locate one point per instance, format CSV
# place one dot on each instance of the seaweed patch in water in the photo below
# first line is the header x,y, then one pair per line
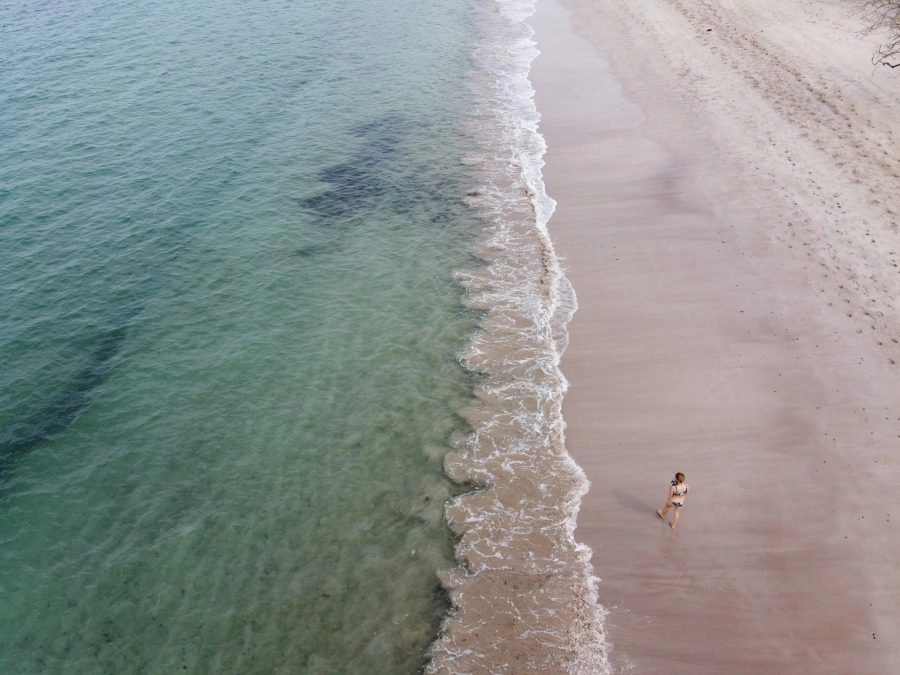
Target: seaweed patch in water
x,y
313,250
375,175
62,409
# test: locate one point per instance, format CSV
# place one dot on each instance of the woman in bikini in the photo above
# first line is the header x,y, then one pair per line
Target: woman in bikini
x,y
677,492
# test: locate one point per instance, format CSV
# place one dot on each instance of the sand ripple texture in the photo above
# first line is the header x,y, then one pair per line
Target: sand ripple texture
x,y
524,597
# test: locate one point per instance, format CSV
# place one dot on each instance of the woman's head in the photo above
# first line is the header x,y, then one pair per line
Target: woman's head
x,y
679,477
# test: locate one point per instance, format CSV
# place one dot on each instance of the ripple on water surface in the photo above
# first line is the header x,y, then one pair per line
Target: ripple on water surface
x,y
229,370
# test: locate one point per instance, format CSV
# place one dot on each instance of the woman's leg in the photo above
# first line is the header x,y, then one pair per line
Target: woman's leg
x,y
662,512
676,516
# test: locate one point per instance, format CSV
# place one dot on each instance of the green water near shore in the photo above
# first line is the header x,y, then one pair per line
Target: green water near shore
x,y
230,333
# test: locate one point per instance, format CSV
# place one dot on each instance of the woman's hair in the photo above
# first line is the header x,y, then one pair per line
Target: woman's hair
x,y
679,477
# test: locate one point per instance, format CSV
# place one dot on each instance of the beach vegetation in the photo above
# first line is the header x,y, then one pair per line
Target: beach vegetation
x,y
885,15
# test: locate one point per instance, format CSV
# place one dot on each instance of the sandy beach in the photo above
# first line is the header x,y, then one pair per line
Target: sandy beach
x,y
727,180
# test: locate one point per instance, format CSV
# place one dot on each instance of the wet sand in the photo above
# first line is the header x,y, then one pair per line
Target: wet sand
x,y
727,187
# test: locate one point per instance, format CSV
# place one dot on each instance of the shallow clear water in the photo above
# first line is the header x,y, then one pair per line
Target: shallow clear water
x,y
229,332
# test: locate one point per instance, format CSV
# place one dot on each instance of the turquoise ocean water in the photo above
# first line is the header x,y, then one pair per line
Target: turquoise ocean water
x,y
230,331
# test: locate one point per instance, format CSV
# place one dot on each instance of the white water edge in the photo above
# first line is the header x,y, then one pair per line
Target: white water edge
x,y
524,598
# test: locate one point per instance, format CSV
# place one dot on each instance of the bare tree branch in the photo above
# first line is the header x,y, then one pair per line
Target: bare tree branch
x,y
884,15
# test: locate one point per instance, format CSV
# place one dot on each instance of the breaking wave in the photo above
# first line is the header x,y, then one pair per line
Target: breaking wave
x,y
524,596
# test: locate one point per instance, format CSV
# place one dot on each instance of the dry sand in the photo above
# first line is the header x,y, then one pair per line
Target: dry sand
x,y
728,205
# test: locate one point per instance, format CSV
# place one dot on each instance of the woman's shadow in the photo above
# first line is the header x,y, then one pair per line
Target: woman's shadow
x,y
629,500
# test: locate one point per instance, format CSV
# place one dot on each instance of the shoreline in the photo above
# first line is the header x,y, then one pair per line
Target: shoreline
x,y
522,596
736,323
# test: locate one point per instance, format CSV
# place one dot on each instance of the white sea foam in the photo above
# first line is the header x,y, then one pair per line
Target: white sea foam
x,y
525,598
